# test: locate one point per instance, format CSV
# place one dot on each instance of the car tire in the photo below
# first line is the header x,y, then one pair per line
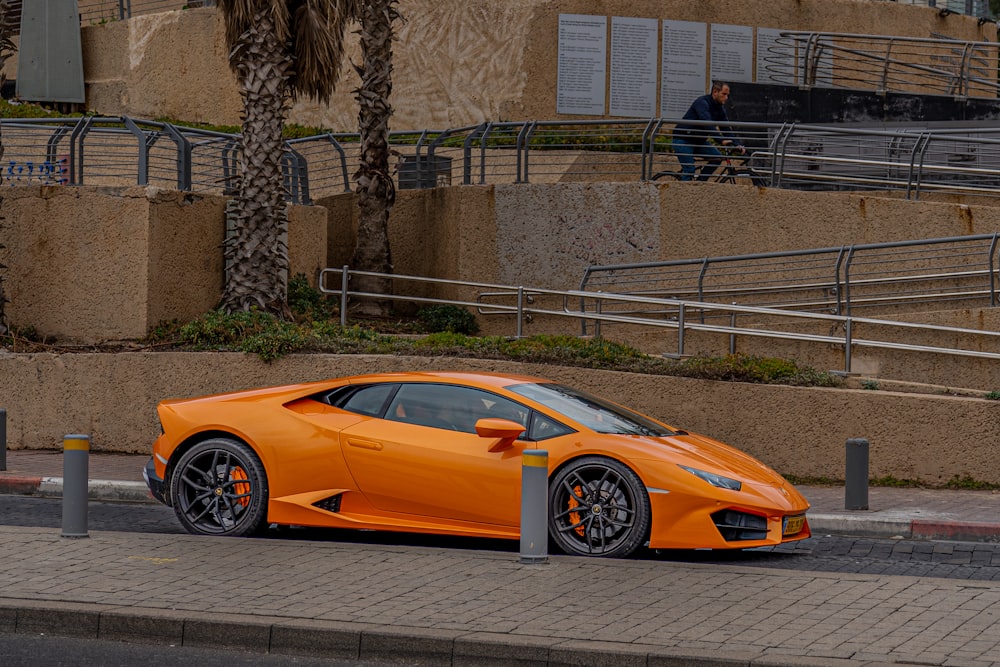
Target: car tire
x,y
598,507
219,487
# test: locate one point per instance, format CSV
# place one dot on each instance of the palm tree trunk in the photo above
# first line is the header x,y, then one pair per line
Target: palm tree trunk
x,y
376,189
257,251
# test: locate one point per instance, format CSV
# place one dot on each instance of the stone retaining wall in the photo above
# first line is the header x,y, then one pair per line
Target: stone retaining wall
x,y
112,397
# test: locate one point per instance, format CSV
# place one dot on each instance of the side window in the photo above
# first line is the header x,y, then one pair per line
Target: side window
x,y
452,407
425,405
366,400
543,427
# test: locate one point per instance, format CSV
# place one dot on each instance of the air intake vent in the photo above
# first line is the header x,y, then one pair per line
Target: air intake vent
x,y
739,526
331,504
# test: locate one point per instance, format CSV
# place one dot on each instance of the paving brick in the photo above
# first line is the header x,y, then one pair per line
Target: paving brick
x,y
317,638
129,625
428,647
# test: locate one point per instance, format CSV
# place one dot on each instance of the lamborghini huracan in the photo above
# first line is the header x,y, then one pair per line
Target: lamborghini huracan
x,y
441,453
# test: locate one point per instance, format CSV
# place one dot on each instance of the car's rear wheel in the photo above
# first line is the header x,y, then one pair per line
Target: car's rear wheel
x,y
219,487
598,507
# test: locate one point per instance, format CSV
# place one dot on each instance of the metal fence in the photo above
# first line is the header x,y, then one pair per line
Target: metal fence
x,y
971,7
682,316
953,272
126,151
883,64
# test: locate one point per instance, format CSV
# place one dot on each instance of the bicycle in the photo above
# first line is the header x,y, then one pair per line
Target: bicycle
x,y
733,168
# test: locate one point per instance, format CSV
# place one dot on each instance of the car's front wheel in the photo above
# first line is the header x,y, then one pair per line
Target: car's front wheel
x,y
219,487
598,507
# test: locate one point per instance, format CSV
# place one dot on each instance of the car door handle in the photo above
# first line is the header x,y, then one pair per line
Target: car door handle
x,y
365,444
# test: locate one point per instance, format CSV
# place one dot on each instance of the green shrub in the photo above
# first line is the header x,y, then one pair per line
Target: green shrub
x,y
307,303
446,317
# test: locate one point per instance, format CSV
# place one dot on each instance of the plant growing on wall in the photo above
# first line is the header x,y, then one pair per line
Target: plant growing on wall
x,y
279,49
376,189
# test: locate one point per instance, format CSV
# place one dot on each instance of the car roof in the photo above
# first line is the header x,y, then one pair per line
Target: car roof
x,y
459,377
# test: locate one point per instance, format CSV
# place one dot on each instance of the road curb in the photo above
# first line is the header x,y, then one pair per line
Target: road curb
x,y
21,486
917,529
97,489
357,641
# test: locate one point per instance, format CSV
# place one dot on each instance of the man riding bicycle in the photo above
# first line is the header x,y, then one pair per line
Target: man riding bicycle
x,y
692,140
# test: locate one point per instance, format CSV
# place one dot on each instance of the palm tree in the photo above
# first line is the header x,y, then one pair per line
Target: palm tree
x,y
376,189
279,49
8,28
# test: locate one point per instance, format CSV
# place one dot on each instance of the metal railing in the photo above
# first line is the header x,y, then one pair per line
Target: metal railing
x,y
682,316
93,12
979,8
123,151
884,64
961,271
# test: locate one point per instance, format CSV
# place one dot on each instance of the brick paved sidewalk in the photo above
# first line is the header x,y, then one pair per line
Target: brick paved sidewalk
x,y
446,606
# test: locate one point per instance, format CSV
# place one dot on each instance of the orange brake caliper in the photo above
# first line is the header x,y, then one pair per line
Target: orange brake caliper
x,y
240,489
574,517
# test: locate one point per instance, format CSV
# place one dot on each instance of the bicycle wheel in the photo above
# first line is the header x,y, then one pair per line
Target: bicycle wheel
x,y
666,175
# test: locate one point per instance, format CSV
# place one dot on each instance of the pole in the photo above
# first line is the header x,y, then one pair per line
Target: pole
x,y
3,438
856,475
76,458
534,506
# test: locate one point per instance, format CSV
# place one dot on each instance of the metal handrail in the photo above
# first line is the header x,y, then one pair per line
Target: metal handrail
x,y
786,155
954,258
883,64
523,309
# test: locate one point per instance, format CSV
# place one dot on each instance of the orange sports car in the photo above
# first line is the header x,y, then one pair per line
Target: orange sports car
x,y
441,453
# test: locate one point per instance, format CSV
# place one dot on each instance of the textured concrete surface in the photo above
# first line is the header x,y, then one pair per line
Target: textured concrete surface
x,y
455,63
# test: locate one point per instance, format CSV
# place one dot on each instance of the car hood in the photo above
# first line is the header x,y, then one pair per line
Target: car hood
x,y
702,452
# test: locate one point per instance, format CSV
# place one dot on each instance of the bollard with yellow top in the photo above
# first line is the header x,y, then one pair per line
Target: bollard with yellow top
x,y
534,506
76,461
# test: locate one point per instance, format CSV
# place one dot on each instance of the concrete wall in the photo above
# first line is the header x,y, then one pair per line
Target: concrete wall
x,y
134,257
456,62
89,264
796,431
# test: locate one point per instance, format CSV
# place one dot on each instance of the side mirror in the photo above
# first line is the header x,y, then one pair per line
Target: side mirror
x,y
504,430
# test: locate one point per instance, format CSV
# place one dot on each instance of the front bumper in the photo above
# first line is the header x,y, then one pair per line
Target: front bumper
x,y
155,484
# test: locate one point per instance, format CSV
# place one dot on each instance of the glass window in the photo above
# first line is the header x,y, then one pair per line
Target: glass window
x,y
452,407
594,413
544,427
366,400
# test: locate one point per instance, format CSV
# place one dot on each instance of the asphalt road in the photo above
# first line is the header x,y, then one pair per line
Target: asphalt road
x,y
21,649
825,553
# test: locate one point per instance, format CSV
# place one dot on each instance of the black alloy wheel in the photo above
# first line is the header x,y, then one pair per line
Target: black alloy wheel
x,y
598,507
219,487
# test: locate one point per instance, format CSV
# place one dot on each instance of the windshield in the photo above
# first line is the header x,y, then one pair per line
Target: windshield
x,y
590,411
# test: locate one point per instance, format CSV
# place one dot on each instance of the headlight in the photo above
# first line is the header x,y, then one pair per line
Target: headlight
x,y
716,480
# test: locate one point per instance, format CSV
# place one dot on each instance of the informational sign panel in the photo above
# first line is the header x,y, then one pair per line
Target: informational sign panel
x,y
775,60
732,52
633,67
583,53
685,47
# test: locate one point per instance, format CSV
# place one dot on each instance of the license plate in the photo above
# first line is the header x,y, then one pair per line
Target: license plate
x,y
794,524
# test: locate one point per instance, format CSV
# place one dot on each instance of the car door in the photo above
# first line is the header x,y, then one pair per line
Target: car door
x,y
424,457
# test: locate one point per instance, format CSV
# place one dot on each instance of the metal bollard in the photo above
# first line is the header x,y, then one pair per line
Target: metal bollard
x,y
534,506
76,459
3,439
856,475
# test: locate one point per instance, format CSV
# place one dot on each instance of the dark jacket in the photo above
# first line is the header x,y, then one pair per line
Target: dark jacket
x,y
705,108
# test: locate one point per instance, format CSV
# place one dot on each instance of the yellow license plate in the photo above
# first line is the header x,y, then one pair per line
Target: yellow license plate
x,y
794,524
